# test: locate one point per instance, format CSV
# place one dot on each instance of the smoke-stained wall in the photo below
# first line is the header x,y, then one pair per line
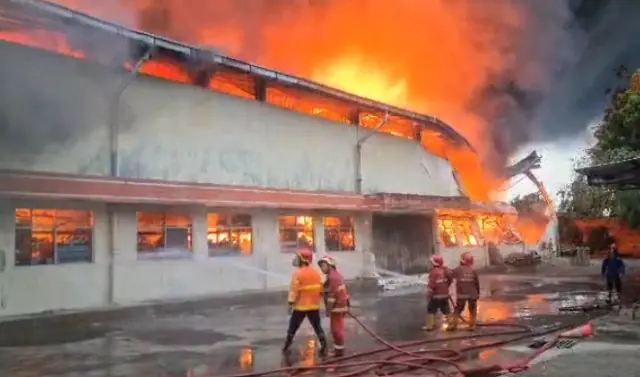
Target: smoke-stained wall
x,y
53,117
403,243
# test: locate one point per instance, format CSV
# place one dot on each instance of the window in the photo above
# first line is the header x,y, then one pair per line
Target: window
x,y
309,103
234,83
447,233
296,232
497,232
51,236
163,236
229,234
469,235
396,126
339,234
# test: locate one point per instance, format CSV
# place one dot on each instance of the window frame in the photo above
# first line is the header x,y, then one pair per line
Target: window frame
x,y
341,229
464,233
54,231
229,229
165,228
442,228
298,229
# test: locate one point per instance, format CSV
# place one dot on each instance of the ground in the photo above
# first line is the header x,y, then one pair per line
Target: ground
x,y
248,337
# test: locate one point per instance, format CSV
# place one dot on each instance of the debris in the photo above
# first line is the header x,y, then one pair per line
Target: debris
x,y
523,259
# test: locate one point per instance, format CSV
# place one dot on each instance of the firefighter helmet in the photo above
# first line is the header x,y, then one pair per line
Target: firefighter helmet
x,y
466,259
328,260
437,260
305,256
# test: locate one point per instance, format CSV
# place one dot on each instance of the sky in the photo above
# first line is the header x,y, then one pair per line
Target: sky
x,y
557,164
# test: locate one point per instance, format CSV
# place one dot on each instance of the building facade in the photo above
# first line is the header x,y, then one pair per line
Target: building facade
x,y
118,188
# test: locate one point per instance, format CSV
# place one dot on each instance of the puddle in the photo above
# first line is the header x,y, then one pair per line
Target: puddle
x,y
29,335
183,337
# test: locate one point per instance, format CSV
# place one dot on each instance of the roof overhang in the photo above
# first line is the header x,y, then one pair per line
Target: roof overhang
x,y
47,186
623,175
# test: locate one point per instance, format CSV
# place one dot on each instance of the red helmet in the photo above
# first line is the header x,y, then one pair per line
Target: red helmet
x,y
437,260
328,260
466,259
305,255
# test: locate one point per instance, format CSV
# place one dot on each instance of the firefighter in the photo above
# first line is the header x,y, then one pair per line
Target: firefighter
x,y
336,302
468,292
437,292
305,297
613,270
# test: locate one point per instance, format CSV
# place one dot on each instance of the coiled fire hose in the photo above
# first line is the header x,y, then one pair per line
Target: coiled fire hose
x,y
402,357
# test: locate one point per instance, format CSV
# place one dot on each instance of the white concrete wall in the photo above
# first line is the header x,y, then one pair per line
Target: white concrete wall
x,y
32,289
56,109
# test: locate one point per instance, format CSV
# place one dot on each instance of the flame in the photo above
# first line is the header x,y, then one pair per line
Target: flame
x,y
353,75
472,228
433,57
246,359
430,56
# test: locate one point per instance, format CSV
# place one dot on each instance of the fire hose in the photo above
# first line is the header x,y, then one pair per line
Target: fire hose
x,y
402,357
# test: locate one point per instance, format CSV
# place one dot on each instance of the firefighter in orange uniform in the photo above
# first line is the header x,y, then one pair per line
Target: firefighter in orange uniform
x,y
437,292
468,289
305,298
336,302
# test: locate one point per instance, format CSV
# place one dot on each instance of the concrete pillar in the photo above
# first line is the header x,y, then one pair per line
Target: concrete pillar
x,y
7,235
125,234
318,235
101,235
7,247
266,244
364,244
199,231
437,246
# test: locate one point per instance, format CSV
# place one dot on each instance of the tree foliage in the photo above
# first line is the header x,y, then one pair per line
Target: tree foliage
x,y
570,233
617,138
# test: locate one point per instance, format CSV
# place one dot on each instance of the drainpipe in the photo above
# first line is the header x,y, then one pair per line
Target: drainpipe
x,y
114,166
362,140
114,112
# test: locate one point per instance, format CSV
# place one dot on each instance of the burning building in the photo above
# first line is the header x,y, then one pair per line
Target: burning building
x,y
160,170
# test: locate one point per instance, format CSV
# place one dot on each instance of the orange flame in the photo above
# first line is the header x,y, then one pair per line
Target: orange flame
x,y
432,57
428,56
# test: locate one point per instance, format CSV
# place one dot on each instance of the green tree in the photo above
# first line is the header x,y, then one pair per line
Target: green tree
x,y
579,200
617,138
570,233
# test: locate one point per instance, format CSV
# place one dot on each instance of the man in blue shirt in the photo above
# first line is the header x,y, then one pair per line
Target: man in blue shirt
x,y
613,270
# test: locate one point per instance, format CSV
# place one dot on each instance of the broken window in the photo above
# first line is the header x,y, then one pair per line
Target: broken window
x,y
52,236
229,234
237,84
498,232
469,234
166,70
309,103
395,125
447,233
296,232
339,234
164,235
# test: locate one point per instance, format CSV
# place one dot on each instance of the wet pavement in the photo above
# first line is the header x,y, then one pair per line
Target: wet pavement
x,y
244,338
